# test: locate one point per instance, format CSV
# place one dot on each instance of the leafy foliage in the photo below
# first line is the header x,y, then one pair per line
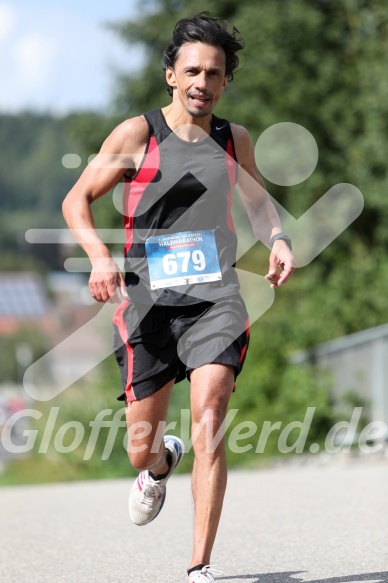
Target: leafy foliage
x,y
33,183
31,336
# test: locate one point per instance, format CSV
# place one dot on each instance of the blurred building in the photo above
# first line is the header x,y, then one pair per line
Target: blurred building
x,y
358,363
23,302
80,335
67,315
77,339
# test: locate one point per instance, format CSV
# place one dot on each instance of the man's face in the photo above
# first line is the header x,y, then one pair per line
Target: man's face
x,y
198,77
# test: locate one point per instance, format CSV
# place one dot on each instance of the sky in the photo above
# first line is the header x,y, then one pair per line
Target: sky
x,y
57,57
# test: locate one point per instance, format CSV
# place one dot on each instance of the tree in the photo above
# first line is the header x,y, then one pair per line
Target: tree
x,y
33,183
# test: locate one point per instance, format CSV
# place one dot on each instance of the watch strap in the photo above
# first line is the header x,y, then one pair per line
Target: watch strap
x,y
283,237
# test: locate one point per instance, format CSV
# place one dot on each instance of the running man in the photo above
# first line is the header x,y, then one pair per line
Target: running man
x,y
183,315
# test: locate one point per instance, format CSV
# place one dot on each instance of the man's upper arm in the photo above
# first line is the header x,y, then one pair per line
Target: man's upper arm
x,y
250,184
121,150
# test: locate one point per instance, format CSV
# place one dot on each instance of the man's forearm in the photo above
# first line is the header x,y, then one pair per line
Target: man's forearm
x,y
79,218
265,220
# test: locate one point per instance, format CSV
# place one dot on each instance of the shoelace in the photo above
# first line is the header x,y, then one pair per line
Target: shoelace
x,y
151,493
209,570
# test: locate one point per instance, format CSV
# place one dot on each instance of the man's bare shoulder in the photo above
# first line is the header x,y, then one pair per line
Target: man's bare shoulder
x,y
242,142
128,135
240,134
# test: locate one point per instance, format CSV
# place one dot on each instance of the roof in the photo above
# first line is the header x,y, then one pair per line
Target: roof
x,y
343,343
23,295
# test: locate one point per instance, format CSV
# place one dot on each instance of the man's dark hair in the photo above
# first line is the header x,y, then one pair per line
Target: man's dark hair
x,y
205,29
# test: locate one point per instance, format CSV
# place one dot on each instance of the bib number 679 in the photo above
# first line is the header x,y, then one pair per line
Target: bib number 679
x,y
171,264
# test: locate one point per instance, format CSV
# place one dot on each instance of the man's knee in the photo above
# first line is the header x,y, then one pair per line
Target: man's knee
x,y
211,411
145,449
210,403
208,426
212,388
144,457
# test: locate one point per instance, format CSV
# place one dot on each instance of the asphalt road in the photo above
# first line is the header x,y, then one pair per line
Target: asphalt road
x,y
321,524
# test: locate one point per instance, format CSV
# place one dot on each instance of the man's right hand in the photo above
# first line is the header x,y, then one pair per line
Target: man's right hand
x,y
104,280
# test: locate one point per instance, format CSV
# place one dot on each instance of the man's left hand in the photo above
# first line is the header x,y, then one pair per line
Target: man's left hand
x,y
281,257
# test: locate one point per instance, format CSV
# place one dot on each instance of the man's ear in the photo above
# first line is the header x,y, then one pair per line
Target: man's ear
x,y
170,77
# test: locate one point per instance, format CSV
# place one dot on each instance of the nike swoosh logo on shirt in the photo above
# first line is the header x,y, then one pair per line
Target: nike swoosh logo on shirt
x,y
220,128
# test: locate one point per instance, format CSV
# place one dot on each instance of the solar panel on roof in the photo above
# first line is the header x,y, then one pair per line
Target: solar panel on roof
x,y
22,296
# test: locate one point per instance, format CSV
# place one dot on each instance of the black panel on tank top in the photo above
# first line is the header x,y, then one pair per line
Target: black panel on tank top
x,y
175,203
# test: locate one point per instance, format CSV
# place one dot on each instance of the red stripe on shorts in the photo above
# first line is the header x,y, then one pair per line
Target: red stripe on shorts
x,y
247,332
118,320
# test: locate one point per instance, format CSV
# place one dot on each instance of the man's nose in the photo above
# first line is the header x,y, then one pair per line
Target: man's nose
x,y
201,80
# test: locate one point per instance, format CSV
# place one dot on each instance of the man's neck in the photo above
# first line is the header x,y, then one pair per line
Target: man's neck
x,y
184,125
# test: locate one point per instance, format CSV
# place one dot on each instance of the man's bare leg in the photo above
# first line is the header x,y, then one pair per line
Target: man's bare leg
x,y
211,387
155,455
149,412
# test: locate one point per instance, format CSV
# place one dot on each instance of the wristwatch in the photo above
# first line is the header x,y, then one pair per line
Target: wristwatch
x,y
283,237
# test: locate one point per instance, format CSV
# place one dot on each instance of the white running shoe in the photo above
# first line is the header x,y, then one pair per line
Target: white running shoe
x,y
147,495
205,575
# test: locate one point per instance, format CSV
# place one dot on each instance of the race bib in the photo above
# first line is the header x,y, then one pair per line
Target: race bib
x,y
182,259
